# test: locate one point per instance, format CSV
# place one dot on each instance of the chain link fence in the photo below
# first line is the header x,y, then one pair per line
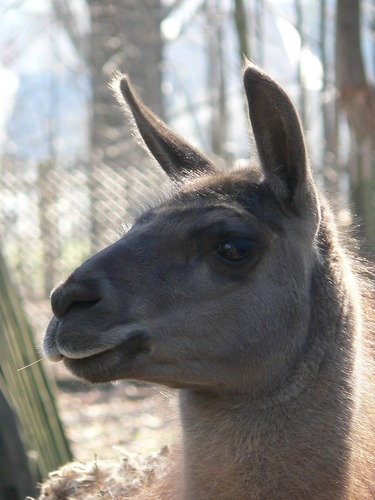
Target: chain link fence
x,y
54,217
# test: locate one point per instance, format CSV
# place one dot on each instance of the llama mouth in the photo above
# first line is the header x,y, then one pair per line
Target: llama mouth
x,y
111,364
100,363
49,346
126,340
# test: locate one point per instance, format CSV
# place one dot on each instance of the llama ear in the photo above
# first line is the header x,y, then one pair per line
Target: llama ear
x,y
278,136
176,157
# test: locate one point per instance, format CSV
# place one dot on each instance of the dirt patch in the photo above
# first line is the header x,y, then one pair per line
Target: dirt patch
x,y
102,422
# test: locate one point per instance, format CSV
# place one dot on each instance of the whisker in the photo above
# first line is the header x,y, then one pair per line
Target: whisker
x,y
31,364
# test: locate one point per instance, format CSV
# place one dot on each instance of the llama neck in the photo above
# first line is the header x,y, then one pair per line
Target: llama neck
x,y
294,440
231,445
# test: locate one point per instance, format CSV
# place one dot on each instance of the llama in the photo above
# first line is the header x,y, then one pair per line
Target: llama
x,y
235,291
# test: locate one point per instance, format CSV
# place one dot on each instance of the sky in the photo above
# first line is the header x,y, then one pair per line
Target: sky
x,y
33,44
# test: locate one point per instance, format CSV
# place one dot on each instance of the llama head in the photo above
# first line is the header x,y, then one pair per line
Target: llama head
x,y
210,289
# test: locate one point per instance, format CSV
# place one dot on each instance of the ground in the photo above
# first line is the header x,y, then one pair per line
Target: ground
x,y
119,435
100,422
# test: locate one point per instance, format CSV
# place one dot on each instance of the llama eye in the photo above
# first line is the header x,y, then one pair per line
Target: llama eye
x,y
237,249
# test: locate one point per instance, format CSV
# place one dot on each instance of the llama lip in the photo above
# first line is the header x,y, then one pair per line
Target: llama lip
x,y
50,347
118,360
130,341
56,351
137,342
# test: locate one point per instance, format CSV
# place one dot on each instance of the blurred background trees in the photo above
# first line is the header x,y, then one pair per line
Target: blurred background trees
x,y
357,99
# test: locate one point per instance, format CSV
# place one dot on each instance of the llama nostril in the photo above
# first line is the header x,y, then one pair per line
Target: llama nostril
x,y
68,295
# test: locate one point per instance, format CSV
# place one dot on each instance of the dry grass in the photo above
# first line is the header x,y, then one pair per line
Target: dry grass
x,y
104,480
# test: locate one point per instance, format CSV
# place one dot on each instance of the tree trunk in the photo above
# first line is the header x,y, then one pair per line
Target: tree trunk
x,y
300,77
330,172
216,78
259,31
48,223
358,103
242,29
125,34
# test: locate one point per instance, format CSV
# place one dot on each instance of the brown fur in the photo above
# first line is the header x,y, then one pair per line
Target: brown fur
x,y
237,292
